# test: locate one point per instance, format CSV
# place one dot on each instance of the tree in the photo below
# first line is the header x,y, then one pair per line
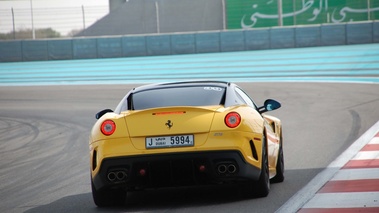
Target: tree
x,y
27,34
73,32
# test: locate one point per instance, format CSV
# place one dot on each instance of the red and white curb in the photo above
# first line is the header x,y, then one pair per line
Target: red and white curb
x,y
349,184
354,188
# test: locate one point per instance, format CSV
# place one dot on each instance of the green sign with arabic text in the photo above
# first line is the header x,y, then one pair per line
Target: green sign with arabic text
x,y
264,13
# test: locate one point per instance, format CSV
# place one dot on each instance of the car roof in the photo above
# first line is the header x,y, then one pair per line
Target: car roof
x,y
182,84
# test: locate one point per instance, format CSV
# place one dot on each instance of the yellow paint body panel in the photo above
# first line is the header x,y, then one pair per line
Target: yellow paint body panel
x,y
206,124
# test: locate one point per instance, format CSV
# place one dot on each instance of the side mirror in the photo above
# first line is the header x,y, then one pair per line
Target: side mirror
x,y
269,105
102,112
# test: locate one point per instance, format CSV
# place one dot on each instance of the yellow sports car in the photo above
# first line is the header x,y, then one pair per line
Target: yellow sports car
x,y
184,134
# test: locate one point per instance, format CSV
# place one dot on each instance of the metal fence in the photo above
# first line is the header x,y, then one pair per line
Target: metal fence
x,y
167,16
63,22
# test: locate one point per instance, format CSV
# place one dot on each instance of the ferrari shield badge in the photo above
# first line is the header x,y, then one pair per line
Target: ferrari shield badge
x,y
169,124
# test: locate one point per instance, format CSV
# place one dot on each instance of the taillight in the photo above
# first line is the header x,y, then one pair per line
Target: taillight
x,y
232,119
108,127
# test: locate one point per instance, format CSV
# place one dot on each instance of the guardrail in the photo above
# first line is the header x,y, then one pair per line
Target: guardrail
x,y
190,43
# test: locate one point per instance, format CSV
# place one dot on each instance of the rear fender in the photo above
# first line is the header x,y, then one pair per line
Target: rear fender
x,y
251,120
120,132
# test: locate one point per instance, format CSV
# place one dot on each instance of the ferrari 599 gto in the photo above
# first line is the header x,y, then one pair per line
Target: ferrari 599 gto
x,y
185,134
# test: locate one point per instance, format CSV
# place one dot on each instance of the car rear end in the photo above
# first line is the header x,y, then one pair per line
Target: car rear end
x,y
156,146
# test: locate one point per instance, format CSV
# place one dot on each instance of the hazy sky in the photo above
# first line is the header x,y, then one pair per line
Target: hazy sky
x,y
6,4
61,15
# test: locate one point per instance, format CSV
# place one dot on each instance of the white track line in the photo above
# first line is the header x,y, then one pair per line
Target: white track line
x,y
346,200
356,174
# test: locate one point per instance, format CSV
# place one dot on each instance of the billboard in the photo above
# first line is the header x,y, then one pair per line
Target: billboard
x,y
244,14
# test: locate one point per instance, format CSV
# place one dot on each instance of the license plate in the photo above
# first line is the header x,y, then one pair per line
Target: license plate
x,y
169,141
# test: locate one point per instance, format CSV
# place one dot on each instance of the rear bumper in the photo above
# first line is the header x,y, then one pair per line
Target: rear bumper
x,y
174,169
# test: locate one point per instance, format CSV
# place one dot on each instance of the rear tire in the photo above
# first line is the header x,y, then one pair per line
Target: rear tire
x,y
263,184
107,197
260,188
279,177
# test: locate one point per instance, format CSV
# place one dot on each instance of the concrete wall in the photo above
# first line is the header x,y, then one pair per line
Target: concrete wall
x,y
190,43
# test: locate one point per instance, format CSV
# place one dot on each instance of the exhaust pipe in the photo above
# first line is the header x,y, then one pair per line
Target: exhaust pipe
x,y
232,168
221,168
117,175
111,176
121,175
227,168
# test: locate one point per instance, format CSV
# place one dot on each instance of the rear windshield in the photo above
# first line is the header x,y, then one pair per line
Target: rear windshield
x,y
178,96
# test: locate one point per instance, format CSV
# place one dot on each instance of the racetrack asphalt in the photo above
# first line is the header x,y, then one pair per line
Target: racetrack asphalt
x,y
44,146
45,121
